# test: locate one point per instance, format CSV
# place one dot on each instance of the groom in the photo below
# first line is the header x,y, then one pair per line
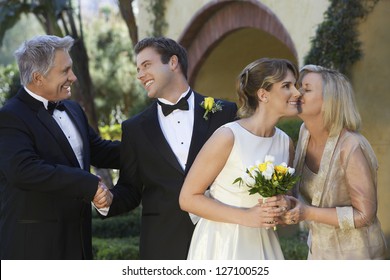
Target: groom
x,y
158,147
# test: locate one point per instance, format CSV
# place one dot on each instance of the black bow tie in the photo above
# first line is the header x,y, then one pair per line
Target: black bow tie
x,y
55,105
181,105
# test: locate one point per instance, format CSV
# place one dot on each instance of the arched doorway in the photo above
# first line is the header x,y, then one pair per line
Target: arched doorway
x,y
224,36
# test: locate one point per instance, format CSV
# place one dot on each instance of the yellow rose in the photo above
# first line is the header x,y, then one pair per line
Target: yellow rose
x,y
263,166
208,103
281,169
210,106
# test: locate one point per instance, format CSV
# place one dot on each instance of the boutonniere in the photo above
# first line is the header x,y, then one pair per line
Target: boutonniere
x,y
210,106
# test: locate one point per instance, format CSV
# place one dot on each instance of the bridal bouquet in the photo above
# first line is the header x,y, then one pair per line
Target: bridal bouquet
x,y
268,179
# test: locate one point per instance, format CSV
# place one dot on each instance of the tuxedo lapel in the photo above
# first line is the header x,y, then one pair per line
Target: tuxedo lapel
x,y
199,132
48,121
153,131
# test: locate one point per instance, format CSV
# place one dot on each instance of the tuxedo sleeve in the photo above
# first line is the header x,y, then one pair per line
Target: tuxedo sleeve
x,y
128,191
22,166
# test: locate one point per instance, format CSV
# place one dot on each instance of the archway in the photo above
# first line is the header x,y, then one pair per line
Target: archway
x,y
234,32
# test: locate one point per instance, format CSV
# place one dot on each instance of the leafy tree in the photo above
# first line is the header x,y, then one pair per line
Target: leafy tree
x,y
118,94
16,35
9,82
336,43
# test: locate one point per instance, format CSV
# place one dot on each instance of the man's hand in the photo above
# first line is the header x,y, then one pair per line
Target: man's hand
x,y
103,196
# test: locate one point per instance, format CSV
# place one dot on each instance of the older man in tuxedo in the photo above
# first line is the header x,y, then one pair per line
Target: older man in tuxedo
x,y
46,149
160,144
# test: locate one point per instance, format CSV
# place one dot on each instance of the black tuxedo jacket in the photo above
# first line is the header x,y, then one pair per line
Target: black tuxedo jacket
x,y
45,197
151,172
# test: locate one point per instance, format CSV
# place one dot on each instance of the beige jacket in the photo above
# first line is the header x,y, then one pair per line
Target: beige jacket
x,y
353,193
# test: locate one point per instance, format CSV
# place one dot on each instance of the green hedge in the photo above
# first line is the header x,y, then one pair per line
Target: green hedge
x,y
119,226
116,238
295,247
115,248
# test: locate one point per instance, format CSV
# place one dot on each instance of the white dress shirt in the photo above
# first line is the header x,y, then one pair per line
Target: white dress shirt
x,y
67,126
177,128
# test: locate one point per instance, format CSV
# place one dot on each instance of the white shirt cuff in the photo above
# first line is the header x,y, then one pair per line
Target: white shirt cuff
x,y
103,211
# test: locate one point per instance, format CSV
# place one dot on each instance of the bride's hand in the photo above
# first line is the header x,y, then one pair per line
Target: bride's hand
x,y
282,202
261,216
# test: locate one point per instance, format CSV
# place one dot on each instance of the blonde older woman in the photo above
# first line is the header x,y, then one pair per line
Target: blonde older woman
x,y
338,170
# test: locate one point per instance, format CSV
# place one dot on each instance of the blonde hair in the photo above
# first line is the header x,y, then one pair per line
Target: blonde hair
x,y
339,106
261,73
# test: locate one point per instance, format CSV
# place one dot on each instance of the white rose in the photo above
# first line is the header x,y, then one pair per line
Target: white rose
x,y
268,173
270,168
252,170
269,158
248,180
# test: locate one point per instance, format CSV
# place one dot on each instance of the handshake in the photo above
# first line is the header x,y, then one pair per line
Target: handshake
x,y
103,196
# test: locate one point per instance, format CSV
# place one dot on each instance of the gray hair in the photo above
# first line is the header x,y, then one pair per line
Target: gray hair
x,y
37,55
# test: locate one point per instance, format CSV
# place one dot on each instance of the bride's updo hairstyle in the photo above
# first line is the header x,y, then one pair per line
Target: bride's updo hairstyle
x,y
261,73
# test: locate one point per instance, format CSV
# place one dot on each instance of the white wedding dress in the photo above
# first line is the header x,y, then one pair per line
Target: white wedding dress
x,y
224,241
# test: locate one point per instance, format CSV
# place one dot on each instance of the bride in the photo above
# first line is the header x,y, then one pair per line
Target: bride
x,y
234,224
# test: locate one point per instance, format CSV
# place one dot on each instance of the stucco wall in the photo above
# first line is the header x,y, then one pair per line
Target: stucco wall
x,y
217,76
300,18
370,78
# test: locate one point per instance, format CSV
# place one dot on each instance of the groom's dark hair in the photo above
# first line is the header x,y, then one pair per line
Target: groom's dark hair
x,y
166,47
